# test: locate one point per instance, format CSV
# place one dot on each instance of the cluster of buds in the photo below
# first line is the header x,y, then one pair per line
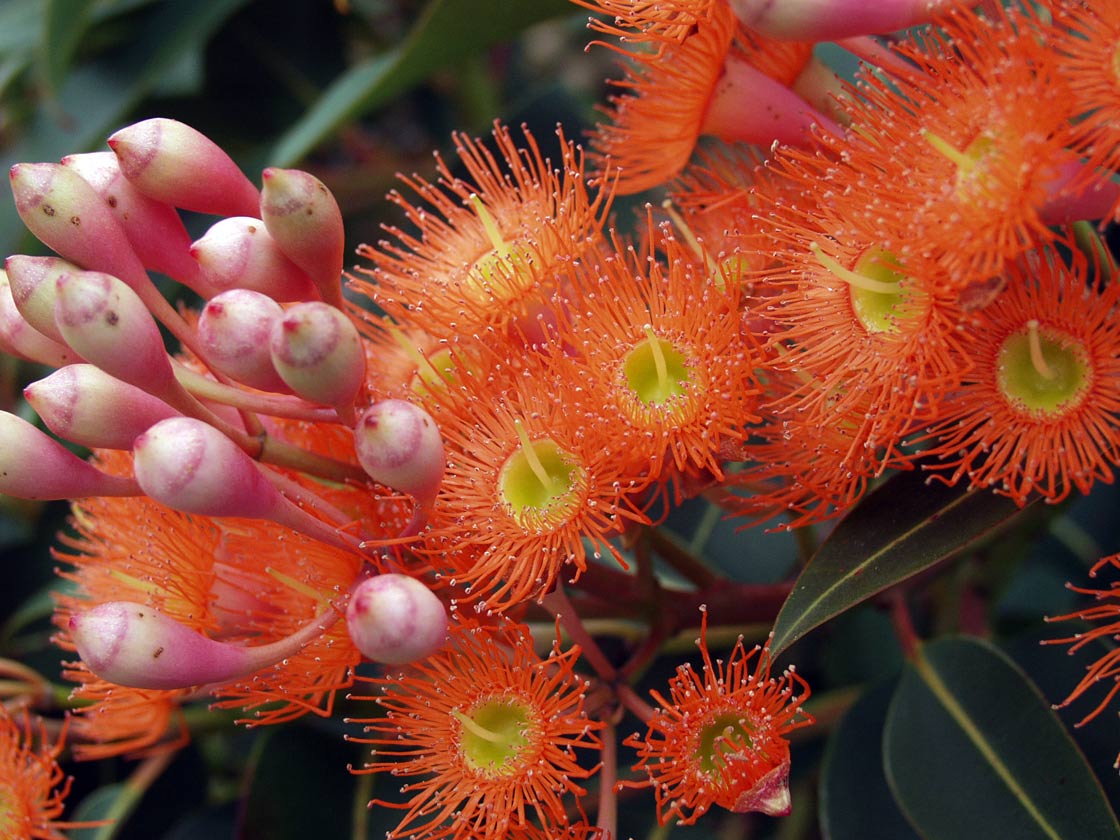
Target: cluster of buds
x,y
211,431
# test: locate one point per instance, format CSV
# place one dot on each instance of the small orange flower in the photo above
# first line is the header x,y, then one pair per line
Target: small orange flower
x,y
532,484
493,729
1039,411
32,785
720,737
488,249
1105,617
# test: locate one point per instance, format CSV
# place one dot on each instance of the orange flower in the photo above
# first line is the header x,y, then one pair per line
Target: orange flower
x,y
720,737
658,346
1106,619
1039,412
1086,36
692,80
32,785
493,729
956,159
529,479
489,249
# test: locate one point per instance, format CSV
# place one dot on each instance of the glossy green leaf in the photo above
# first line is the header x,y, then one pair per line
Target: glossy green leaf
x,y
972,750
900,529
855,802
64,23
448,31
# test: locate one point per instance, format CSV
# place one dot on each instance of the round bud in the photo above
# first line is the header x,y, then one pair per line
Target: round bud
x,y
395,619
234,330
398,444
317,350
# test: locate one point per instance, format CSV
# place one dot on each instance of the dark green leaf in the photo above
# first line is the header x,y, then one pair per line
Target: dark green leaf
x,y
99,805
64,23
902,528
447,32
972,750
855,801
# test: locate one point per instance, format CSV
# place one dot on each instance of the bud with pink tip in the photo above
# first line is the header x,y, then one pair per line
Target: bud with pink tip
x,y
35,466
107,323
303,217
135,645
33,282
19,338
174,163
83,404
234,329
830,20
153,228
398,444
395,619
239,253
317,350
190,466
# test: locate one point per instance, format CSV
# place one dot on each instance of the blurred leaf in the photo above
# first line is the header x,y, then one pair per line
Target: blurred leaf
x,y
99,805
902,528
972,750
447,32
97,97
855,802
298,787
21,22
64,23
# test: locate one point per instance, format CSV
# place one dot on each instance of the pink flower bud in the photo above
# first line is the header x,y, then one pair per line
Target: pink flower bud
x,y
190,466
135,645
153,228
239,253
19,338
395,619
85,405
234,331
303,217
176,164
107,323
829,20
35,466
750,107
68,216
317,350
33,289
398,444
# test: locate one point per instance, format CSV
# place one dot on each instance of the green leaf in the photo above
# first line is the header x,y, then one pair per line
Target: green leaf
x,y
855,802
64,23
102,804
447,32
902,528
972,750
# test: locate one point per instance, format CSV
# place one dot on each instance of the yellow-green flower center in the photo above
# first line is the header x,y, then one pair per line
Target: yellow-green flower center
x,y
12,815
712,749
493,736
655,370
876,287
973,164
434,372
541,484
1040,369
500,275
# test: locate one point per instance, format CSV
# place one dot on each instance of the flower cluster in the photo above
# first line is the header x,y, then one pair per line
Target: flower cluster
x,y
845,279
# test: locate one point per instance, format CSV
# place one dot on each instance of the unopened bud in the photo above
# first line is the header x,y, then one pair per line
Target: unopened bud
x,y
67,215
234,329
135,645
83,404
240,253
109,326
398,444
35,466
33,282
176,164
830,20
190,466
303,217
19,338
395,619
153,228
317,350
